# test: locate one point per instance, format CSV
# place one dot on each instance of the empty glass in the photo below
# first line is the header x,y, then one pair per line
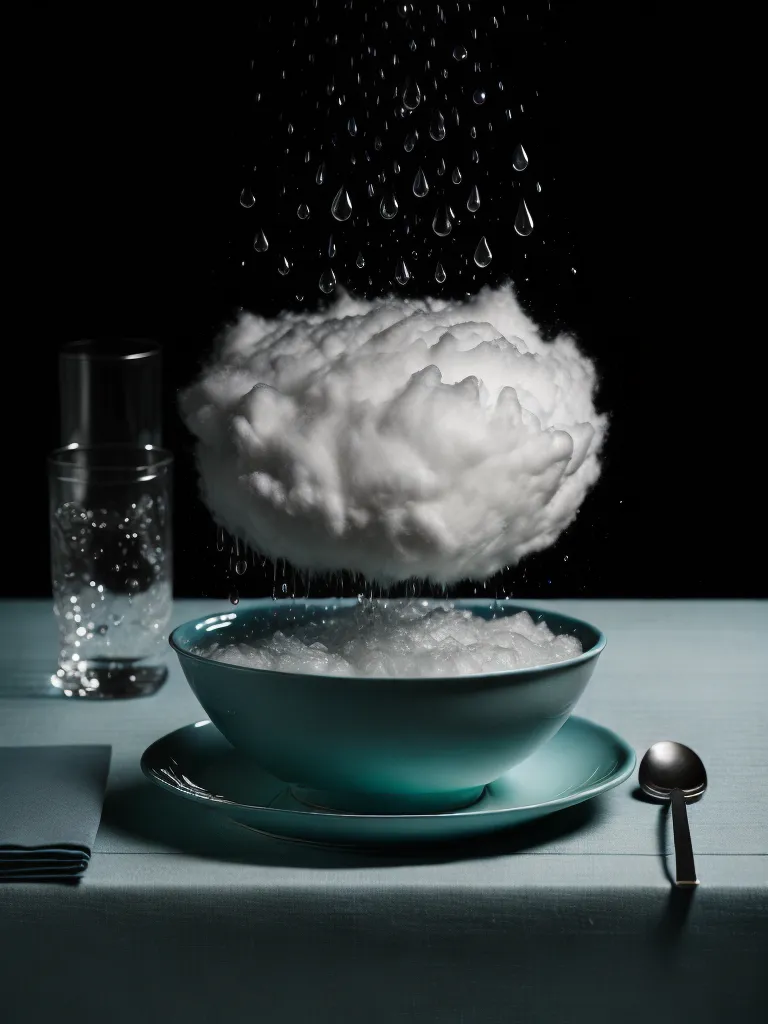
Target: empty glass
x,y
111,566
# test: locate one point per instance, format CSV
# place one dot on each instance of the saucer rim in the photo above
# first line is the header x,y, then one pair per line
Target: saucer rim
x,y
619,774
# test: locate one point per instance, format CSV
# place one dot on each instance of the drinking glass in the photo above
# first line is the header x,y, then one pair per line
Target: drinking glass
x,y
111,567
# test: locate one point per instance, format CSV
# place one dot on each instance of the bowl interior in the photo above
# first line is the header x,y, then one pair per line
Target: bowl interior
x,y
263,617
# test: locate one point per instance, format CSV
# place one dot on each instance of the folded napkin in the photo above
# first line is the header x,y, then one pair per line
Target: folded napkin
x,y
50,807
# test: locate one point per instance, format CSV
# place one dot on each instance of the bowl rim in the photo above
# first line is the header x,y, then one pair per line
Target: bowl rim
x,y
347,602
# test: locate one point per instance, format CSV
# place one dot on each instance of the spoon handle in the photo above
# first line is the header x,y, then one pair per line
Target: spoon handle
x,y
685,869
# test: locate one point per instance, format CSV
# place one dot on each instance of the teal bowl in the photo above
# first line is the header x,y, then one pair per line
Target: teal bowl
x,y
381,744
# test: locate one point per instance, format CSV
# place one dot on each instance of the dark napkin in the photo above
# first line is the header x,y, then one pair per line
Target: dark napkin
x,y
50,807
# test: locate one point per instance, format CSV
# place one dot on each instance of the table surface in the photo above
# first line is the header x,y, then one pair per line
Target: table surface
x,y
694,671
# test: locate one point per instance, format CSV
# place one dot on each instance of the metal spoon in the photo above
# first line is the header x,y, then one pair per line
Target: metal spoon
x,y
674,772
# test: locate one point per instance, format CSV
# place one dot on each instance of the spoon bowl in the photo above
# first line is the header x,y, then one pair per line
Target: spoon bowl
x,y
667,766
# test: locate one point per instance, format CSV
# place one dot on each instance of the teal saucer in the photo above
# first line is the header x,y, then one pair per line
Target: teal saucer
x,y
581,761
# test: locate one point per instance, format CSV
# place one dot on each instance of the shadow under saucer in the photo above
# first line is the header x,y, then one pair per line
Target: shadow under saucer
x,y
144,811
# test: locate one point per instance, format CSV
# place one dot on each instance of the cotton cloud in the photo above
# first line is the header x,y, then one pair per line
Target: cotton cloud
x,y
397,438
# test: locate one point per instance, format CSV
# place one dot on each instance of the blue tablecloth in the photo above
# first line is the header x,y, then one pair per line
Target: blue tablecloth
x,y
182,917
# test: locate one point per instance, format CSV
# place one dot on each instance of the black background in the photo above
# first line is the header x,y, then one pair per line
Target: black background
x,y
133,139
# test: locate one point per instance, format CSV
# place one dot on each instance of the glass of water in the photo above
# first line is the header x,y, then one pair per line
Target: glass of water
x,y
111,567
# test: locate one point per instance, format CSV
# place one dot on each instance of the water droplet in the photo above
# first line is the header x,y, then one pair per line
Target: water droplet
x,y
283,266
395,167
234,597
437,126
441,222
260,243
459,53
455,115
440,274
320,176
479,96
240,566
483,253
327,281
303,212
388,207
410,142
473,132
290,129
371,190
538,187
456,176
307,157
475,157
360,261
352,127
520,159
402,274
341,208
420,186
523,219
441,167
473,203
573,270
377,143
247,198
220,541
331,248
411,94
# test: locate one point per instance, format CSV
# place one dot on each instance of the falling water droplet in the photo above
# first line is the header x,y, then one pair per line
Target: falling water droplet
x,y
395,167
234,597
475,157
352,126
523,219
327,281
520,159
371,190
473,203
473,132
260,243
240,566
341,207
483,253
411,94
410,142
459,53
303,212
320,176
283,266
456,176
455,115
538,187
247,198
440,273
331,248
402,274
479,96
420,186
388,207
220,538
437,126
377,143
441,222
360,261
441,167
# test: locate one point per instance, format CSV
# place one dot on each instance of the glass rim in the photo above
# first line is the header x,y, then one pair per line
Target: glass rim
x,y
61,458
110,349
